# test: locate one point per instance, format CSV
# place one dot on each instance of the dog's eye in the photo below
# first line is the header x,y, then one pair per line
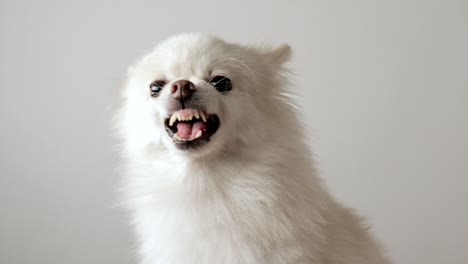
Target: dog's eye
x,y
156,87
221,83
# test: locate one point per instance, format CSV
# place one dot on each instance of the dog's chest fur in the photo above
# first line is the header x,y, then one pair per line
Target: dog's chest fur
x,y
228,212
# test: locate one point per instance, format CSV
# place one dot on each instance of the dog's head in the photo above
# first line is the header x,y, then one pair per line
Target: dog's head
x,y
197,94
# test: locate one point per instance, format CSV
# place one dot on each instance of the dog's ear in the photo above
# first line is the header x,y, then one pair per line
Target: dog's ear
x,y
280,55
277,56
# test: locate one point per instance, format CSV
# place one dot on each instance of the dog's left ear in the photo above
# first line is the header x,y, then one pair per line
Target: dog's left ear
x,y
276,55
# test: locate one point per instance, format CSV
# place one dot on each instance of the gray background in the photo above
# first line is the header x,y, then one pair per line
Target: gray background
x,y
385,95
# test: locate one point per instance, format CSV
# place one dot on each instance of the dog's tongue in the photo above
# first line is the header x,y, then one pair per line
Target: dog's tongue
x,y
189,130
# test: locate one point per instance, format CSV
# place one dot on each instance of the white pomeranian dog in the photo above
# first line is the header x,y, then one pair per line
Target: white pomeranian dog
x,y
217,165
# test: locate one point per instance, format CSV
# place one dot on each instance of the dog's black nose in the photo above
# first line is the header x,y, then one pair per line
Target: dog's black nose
x,y
182,89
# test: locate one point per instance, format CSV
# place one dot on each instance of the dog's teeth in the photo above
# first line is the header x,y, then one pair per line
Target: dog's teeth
x,y
188,116
172,120
176,137
199,134
202,115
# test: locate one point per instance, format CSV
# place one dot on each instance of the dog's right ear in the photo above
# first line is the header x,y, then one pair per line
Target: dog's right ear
x,y
275,55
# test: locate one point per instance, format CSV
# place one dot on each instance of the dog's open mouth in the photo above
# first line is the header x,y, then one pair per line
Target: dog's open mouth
x,y
191,128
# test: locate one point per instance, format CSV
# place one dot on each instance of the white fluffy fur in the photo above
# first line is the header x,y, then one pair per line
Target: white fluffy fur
x,y
251,195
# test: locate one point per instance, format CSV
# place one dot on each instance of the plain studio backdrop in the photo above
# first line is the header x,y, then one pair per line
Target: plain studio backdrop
x,y
384,93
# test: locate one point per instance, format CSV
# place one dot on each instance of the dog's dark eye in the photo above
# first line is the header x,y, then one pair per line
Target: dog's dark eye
x,y
221,83
156,87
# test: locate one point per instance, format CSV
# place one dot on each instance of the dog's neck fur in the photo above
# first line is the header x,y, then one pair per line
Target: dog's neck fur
x,y
226,195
